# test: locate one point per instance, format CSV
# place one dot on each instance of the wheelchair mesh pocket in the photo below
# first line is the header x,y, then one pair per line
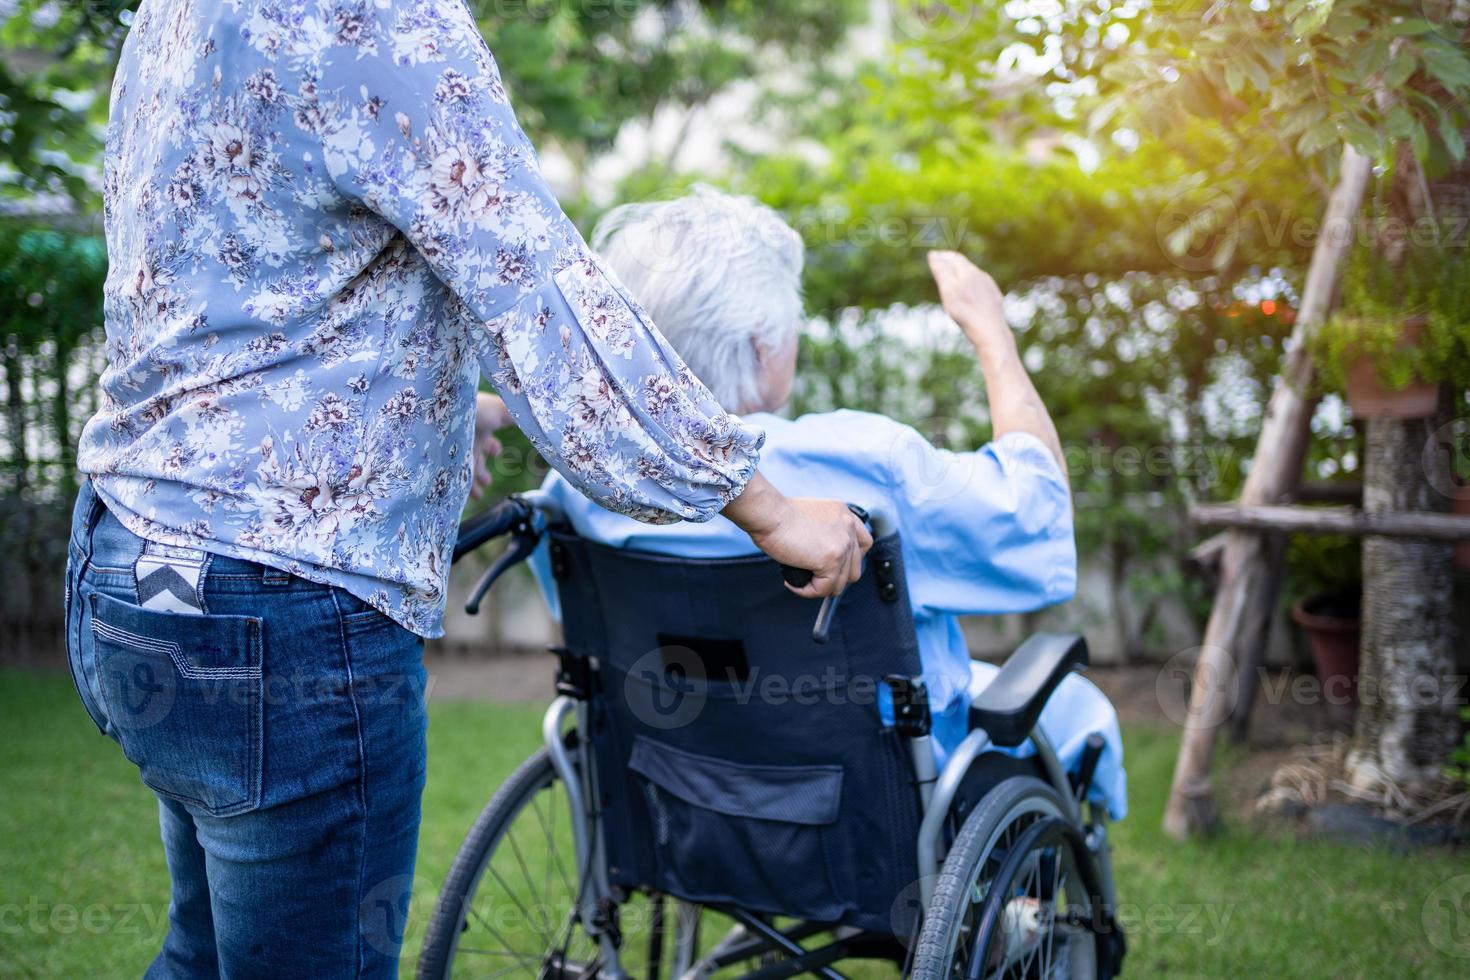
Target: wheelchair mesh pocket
x,y
757,836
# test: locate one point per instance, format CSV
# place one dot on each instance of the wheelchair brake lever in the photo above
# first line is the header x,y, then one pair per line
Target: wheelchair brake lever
x,y
522,543
799,577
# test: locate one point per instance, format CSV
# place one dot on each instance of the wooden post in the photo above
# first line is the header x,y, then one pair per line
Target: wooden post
x,y
1380,520
1275,470
1255,633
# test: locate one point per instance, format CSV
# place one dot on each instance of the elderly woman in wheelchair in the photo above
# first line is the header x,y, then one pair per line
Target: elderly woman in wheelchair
x,y
724,787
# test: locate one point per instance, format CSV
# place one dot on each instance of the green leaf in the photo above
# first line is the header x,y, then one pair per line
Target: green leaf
x,y
1300,118
1419,140
1309,16
1449,66
1234,78
1411,27
1364,138
1372,57
1399,123
1400,69
1259,76
1318,138
1272,54
1346,24
1450,133
1454,142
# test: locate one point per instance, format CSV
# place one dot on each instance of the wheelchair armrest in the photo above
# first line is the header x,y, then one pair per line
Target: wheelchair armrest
x,y
1009,707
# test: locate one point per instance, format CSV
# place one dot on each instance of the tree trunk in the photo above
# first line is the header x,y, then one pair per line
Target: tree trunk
x,y
1407,721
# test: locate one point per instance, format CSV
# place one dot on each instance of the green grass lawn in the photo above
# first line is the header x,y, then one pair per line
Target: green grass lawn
x,y
84,891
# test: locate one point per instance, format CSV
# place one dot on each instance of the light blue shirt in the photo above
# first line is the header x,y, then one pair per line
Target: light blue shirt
x,y
983,532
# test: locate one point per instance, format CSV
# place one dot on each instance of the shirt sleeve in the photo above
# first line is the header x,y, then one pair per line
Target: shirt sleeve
x,y
416,125
988,531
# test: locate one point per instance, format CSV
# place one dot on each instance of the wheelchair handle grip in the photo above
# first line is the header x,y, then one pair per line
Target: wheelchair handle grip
x,y
492,523
799,578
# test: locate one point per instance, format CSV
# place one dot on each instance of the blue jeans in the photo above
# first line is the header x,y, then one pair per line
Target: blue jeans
x,y
283,733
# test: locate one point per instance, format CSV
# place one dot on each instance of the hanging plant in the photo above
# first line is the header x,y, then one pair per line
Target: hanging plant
x,y
1402,332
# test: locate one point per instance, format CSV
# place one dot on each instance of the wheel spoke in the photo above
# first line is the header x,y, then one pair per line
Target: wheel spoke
x,y
520,858
510,947
524,911
551,846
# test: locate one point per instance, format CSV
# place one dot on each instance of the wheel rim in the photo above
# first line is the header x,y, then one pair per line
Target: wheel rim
x,y
1027,913
519,915
518,918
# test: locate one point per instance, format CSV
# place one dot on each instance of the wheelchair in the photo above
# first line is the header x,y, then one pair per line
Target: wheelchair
x,y
724,788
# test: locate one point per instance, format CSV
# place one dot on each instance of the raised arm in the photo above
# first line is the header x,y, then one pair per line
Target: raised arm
x,y
971,297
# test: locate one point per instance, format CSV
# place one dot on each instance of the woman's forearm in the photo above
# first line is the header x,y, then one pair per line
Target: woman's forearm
x,y
759,509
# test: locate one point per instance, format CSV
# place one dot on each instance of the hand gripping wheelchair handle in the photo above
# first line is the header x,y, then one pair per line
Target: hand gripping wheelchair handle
x,y
800,577
514,515
491,524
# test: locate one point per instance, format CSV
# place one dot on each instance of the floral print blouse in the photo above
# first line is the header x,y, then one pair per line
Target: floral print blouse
x,y
323,227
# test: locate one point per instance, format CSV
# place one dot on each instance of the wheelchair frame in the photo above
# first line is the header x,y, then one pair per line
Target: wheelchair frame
x,y
937,791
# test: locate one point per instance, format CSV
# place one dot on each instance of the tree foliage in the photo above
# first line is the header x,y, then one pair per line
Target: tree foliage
x,y
578,71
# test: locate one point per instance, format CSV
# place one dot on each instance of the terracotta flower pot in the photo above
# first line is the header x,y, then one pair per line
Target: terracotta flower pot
x,y
1369,398
1332,627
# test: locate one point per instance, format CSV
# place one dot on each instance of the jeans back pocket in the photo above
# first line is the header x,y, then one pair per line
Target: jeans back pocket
x,y
182,694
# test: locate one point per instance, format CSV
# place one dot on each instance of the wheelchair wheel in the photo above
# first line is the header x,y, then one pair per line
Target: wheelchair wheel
x,y
1017,896
508,906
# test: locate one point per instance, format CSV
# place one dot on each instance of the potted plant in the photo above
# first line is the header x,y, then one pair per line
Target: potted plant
x,y
1326,577
1402,333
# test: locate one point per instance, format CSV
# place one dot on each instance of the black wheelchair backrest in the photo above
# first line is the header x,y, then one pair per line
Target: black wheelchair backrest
x,y
759,771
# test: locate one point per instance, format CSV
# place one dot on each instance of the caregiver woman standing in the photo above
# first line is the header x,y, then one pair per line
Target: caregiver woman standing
x,y
323,226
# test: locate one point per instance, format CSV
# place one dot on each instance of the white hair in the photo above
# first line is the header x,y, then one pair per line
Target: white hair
x,y
718,274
